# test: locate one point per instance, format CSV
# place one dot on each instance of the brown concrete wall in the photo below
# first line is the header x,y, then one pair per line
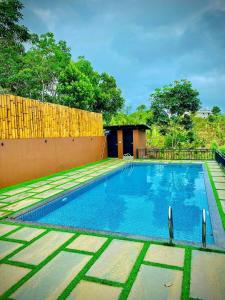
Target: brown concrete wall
x,y
120,143
26,159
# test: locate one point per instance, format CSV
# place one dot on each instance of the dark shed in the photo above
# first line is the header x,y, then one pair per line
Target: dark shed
x,y
123,139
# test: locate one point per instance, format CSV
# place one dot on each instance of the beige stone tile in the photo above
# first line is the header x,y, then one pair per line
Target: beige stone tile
x,y
223,205
7,247
18,197
165,255
42,248
117,260
86,290
217,173
17,191
53,278
2,197
42,188
85,178
221,194
219,179
26,233
2,204
10,275
156,283
58,182
5,228
76,176
4,213
21,204
38,184
68,185
48,193
207,275
87,243
54,178
220,185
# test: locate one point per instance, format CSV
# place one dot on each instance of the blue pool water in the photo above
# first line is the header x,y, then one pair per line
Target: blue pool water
x,y
135,201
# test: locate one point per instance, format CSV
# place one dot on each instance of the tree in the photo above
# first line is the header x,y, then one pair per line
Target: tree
x,y
216,110
171,107
82,87
12,37
75,88
141,108
42,65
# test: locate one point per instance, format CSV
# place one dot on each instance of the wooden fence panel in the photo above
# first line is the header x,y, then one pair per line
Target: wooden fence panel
x,y
26,118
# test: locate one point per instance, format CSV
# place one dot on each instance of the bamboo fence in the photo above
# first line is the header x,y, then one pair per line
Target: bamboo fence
x,y
26,118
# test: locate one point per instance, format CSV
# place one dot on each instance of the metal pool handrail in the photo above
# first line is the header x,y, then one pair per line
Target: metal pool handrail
x,y
203,228
170,224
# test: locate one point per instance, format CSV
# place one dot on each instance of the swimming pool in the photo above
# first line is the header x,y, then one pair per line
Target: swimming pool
x,y
134,201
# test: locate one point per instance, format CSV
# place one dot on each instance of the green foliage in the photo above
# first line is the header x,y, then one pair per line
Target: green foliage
x,y
222,149
42,65
214,145
10,15
216,110
81,87
171,107
12,36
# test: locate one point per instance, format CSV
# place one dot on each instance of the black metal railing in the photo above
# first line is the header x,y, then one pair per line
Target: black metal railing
x,y
176,154
220,158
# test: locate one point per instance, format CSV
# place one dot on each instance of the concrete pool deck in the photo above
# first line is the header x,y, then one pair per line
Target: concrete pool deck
x,y
39,262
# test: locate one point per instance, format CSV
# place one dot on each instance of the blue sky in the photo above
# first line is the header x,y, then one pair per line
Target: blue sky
x,y
144,44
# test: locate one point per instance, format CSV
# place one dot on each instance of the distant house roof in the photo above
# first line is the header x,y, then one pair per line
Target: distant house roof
x,y
136,126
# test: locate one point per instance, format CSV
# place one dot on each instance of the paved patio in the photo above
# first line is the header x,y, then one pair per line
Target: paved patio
x,y
44,263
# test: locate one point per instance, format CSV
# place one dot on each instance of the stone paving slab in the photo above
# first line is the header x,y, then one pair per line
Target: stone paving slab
x,y
18,197
26,234
217,173
87,243
7,247
42,248
156,283
75,176
17,191
5,228
165,255
82,179
10,275
21,204
38,184
219,179
221,194
207,275
58,182
54,178
42,188
2,197
117,260
220,185
68,185
48,193
53,278
86,290
4,213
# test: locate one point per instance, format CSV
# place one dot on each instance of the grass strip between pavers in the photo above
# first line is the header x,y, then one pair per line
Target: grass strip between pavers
x,y
218,201
186,274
